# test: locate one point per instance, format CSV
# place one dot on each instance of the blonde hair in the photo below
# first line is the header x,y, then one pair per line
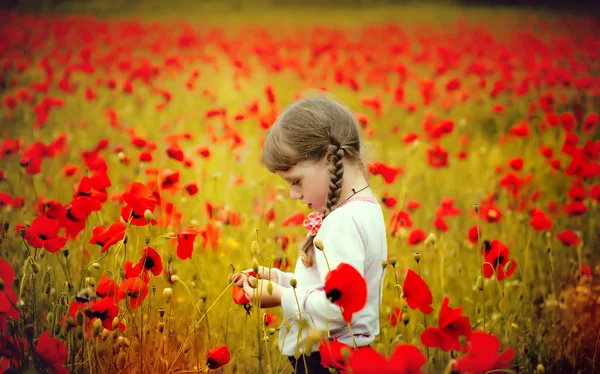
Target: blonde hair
x,y
308,130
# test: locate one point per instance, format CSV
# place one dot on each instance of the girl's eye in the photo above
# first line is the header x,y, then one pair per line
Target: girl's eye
x,y
296,182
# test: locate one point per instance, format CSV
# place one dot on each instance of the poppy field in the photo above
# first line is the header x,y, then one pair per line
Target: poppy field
x,y
132,187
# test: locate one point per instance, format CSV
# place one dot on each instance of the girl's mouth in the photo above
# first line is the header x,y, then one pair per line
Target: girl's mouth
x,y
309,206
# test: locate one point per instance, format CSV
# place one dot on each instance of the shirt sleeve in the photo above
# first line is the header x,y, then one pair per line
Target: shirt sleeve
x,y
343,243
283,278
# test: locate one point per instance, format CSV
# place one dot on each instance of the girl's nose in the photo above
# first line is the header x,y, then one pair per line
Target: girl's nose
x,y
294,195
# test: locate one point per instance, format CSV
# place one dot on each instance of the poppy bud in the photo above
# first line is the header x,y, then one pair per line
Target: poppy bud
x,y
255,249
90,281
125,239
161,312
66,253
203,295
540,369
479,283
123,342
270,288
89,313
47,289
383,264
121,360
6,225
431,239
508,266
79,317
97,327
70,322
174,278
147,240
476,208
272,331
121,156
97,266
148,215
161,327
319,244
417,256
79,333
293,282
170,258
168,294
22,231
405,318
255,265
393,261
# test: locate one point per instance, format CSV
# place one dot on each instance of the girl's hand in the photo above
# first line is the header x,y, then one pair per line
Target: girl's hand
x,y
263,273
262,292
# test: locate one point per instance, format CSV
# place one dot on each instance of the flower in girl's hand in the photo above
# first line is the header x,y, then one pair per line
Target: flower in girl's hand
x,y
313,222
344,286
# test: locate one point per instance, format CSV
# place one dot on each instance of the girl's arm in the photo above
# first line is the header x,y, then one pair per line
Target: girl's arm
x,y
283,278
343,244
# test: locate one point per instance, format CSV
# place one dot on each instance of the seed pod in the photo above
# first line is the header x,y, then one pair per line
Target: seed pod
x,y
90,281
479,283
167,294
70,322
161,327
161,312
22,231
384,264
97,327
270,288
255,265
405,318
417,256
147,240
540,369
476,208
393,261
97,266
170,258
272,331
319,244
79,317
293,282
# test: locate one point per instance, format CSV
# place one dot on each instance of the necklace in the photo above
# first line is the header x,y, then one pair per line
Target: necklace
x,y
354,192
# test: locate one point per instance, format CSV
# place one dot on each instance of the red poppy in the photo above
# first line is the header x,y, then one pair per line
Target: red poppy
x,y
185,241
346,287
203,151
9,147
217,357
568,238
410,137
388,200
7,296
416,292
496,257
395,316
546,151
175,152
590,122
137,289
239,297
11,351
295,219
400,219
576,208
105,238
52,352
586,271
191,188
139,198
389,173
520,130
331,354
437,156
412,205
473,234
406,359
69,170
540,221
483,356
106,287
417,236
106,309
43,234
169,180
440,224
447,208
516,163
451,326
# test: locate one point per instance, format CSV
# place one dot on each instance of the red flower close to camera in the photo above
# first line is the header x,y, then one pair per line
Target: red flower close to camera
x,y
406,359
346,287
451,326
138,198
483,356
137,288
106,287
7,297
417,293
53,352
106,309
217,357
331,354
43,233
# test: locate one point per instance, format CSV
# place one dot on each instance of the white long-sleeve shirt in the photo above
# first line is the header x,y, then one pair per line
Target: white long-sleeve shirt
x,y
354,233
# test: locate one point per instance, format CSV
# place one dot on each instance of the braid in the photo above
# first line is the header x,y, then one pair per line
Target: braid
x,y
335,154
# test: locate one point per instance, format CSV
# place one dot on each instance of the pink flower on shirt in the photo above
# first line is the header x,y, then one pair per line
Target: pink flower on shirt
x,y
313,222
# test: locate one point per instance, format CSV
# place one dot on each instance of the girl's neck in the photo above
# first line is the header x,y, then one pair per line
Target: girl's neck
x,y
354,180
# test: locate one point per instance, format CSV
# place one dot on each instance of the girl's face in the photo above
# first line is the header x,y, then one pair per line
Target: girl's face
x,y
309,182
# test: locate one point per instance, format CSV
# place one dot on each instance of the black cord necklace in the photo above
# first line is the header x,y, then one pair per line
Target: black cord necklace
x,y
354,192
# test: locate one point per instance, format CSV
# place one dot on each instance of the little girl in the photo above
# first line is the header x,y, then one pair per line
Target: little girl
x,y
315,147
